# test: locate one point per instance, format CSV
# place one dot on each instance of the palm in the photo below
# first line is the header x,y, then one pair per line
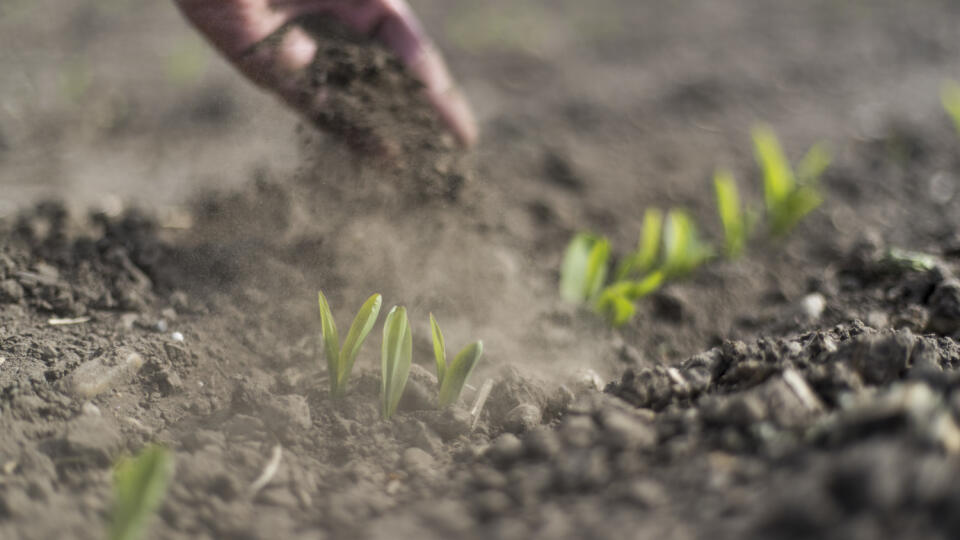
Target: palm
x,y
235,27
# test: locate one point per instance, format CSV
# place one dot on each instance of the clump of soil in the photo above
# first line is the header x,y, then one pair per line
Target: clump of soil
x,y
375,106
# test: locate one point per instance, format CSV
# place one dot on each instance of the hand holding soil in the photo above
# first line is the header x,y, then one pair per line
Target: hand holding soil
x,y
263,39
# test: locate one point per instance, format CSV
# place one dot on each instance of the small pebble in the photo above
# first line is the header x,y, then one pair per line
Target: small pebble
x,y
522,418
812,306
90,408
161,325
177,336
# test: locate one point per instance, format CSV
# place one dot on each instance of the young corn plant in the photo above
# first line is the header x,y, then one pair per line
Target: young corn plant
x,y
635,276
617,302
683,250
584,269
737,222
452,378
397,353
788,197
340,359
950,97
139,485
644,259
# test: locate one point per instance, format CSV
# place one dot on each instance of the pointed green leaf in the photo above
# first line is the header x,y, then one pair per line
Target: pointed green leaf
x,y
731,215
361,326
648,247
573,272
397,353
139,485
597,268
950,97
778,179
331,342
645,286
584,267
439,349
814,163
459,371
683,249
614,304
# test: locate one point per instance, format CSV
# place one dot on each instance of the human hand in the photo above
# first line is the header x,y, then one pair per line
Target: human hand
x,y
236,27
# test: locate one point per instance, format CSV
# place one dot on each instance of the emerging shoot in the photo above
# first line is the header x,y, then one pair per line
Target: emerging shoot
x,y
643,260
737,222
340,359
397,353
788,198
452,378
617,302
139,485
584,268
950,97
683,250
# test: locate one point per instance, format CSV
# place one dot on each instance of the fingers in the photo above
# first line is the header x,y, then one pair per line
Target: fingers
x,y
233,26
281,67
422,59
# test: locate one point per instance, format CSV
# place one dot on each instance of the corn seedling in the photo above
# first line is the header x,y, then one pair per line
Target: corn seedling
x,y
451,378
788,198
139,485
584,268
397,353
911,260
643,260
950,97
683,250
617,302
737,222
340,359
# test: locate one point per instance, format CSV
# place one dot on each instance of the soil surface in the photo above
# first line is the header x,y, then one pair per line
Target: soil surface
x,y
163,233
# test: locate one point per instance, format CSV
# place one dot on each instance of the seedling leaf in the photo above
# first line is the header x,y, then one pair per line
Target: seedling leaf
x,y
361,326
683,249
788,202
814,163
397,352
331,342
616,302
734,220
778,179
139,485
950,97
912,260
648,247
615,306
439,349
584,267
459,371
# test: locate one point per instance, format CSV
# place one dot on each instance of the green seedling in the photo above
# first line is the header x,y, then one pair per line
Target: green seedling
x,y
451,378
584,268
397,353
617,302
737,222
340,359
950,97
644,259
683,250
139,485
788,198
911,260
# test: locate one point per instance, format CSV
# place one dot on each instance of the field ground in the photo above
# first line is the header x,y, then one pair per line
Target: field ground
x,y
148,190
